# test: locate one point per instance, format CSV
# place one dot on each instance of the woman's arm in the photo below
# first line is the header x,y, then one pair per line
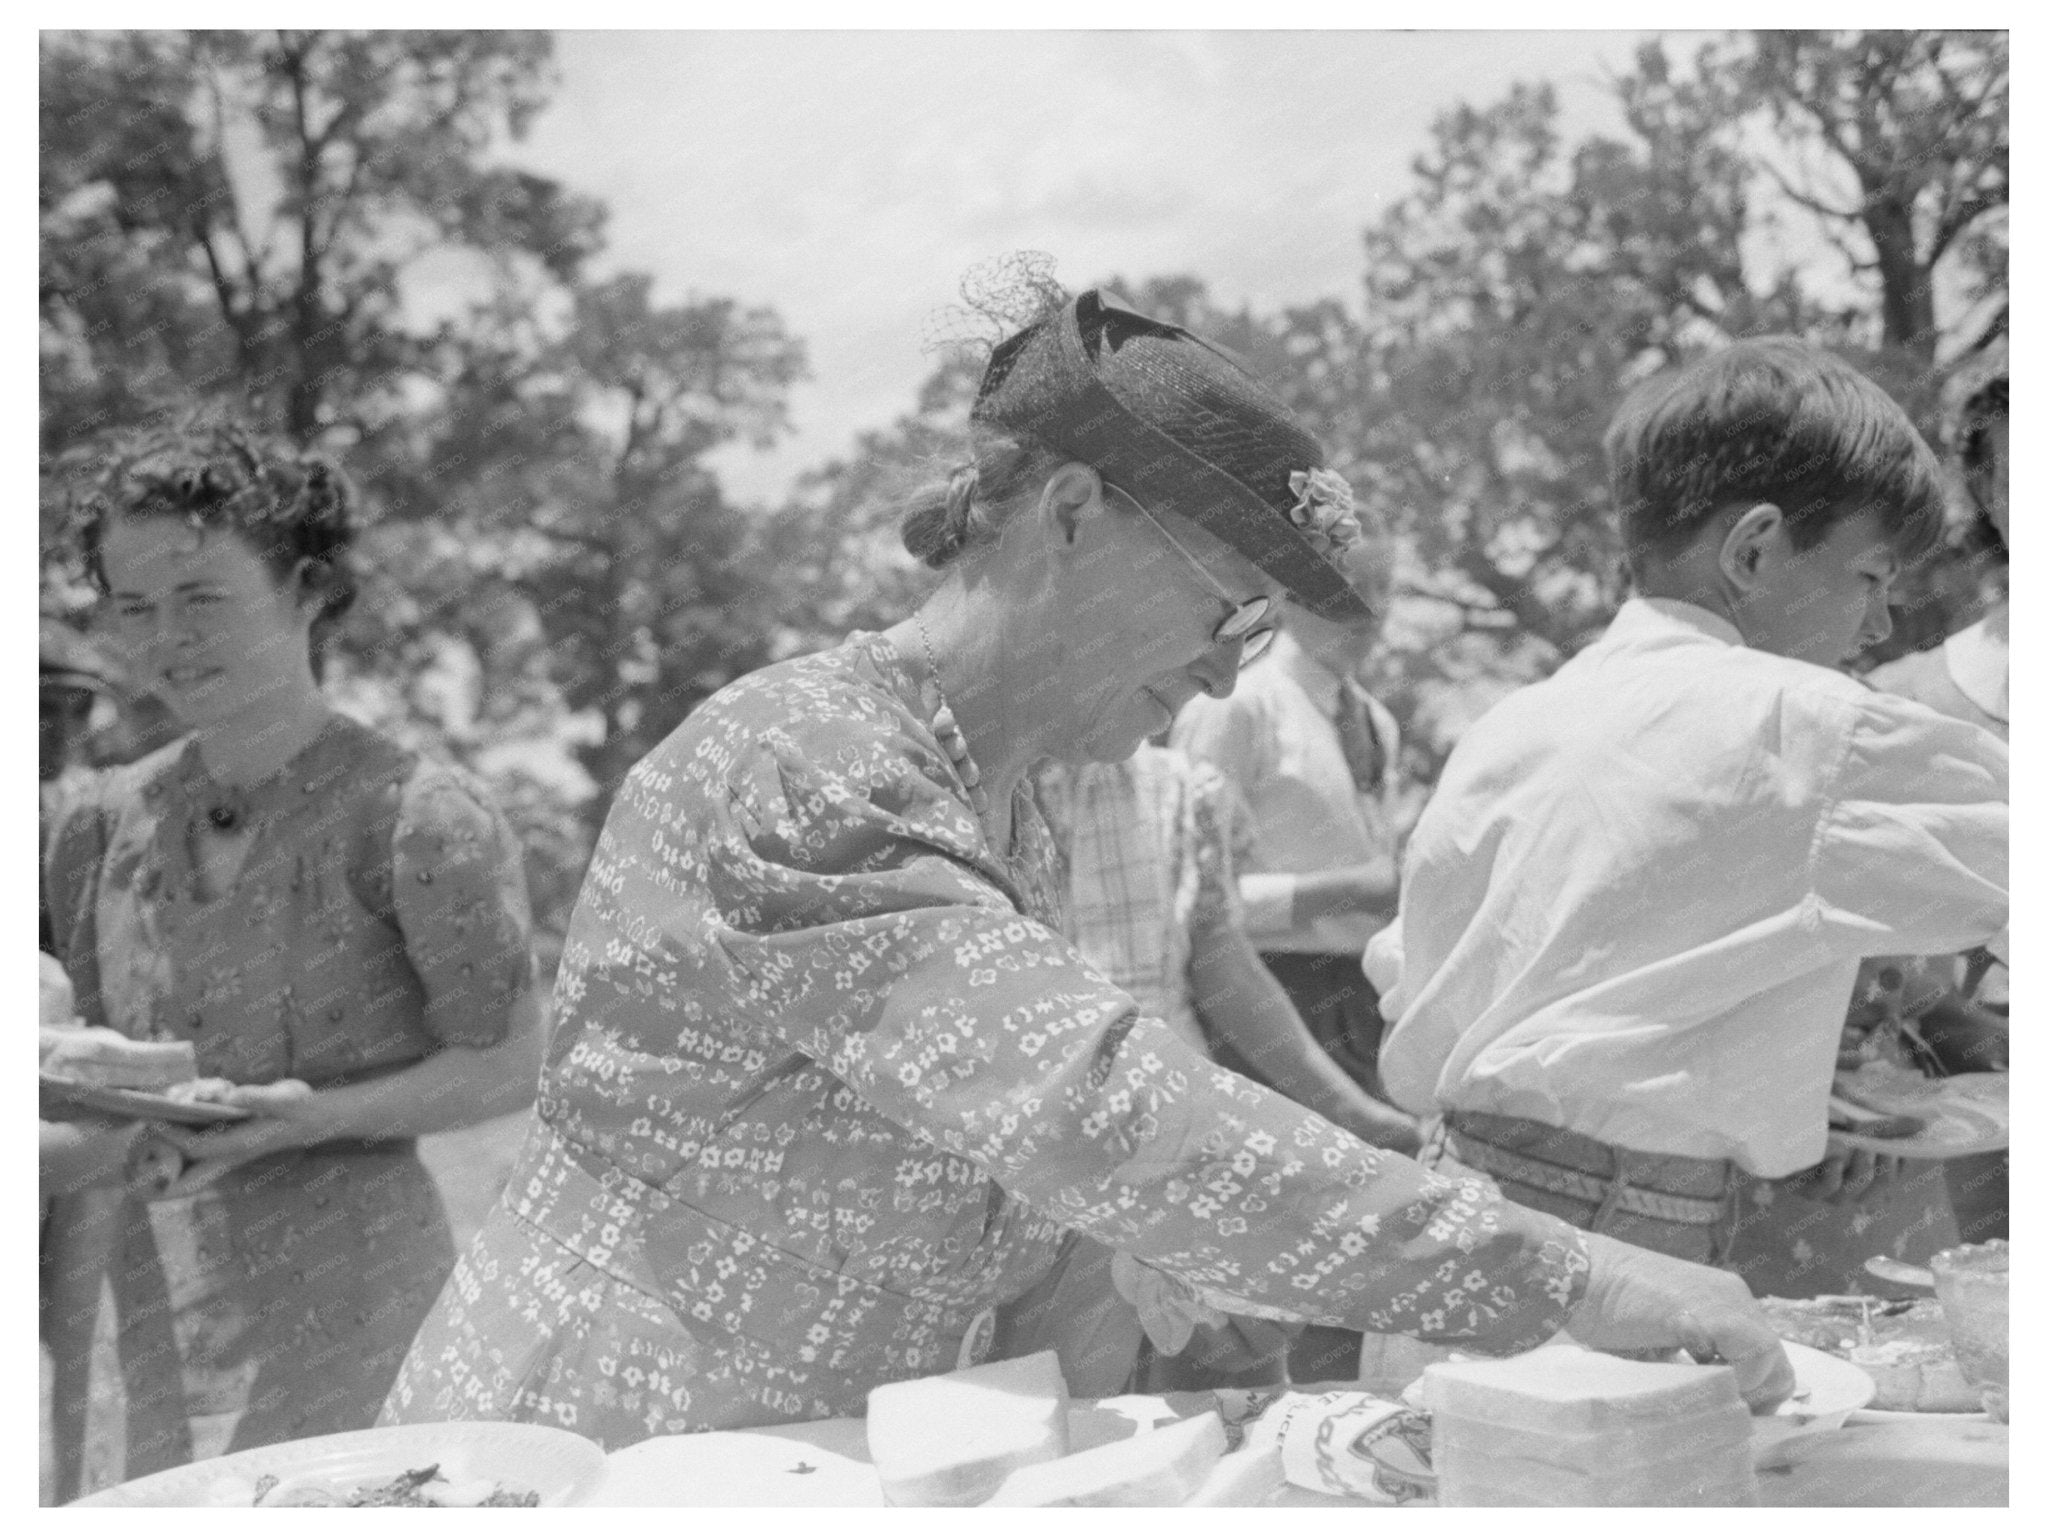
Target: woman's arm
x,y
456,1086
1371,888
1245,1007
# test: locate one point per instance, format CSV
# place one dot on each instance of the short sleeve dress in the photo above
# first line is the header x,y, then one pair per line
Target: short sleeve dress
x,y
826,1085
379,914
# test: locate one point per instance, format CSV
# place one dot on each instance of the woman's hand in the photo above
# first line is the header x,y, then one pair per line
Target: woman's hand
x,y
1641,1300
288,1115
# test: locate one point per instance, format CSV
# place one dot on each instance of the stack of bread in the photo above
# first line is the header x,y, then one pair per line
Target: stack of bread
x,y
1572,1427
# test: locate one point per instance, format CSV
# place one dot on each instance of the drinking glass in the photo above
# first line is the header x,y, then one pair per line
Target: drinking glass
x,y
1972,1283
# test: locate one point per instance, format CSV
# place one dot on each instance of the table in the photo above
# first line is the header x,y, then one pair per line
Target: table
x,y
1944,1460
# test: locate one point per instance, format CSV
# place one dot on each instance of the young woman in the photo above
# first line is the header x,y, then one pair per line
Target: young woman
x,y
339,927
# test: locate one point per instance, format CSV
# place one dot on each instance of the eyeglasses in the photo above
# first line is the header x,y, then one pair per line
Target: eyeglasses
x,y
1246,625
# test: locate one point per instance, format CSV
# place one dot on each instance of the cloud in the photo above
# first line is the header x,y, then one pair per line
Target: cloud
x,y
849,178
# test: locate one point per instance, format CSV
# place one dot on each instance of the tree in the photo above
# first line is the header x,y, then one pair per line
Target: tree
x,y
1899,145
554,575
1524,284
582,525
261,195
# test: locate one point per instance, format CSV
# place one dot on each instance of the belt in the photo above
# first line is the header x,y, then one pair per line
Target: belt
x,y
1613,1192
714,1273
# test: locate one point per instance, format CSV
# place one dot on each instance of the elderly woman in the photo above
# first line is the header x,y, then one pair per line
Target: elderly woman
x,y
337,926
828,1085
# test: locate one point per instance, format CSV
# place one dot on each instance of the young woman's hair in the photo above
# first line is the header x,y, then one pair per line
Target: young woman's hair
x,y
945,518
1775,420
1979,457
291,507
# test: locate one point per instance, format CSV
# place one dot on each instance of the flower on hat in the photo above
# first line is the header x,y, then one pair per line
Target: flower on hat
x,y
1325,511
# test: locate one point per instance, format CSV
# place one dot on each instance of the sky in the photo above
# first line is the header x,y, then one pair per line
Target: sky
x,y
849,179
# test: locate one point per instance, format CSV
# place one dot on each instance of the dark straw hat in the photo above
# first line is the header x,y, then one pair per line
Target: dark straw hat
x,y
1161,413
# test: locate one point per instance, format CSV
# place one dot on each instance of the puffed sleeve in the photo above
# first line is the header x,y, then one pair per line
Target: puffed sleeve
x,y
459,889
1912,847
846,895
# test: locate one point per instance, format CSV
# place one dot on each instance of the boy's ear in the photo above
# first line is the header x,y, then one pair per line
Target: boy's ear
x,y
1751,540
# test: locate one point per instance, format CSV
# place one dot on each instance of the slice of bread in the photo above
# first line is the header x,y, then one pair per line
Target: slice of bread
x,y
92,1057
953,1439
1156,1467
1580,1392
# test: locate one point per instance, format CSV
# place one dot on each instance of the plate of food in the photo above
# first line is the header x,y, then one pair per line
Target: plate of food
x,y
457,1464
1886,1108
1902,1346
90,1071
70,1099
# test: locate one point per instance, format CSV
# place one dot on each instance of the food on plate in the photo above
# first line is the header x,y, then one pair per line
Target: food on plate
x,y
1155,1467
425,1488
106,1059
952,1439
1569,1427
1903,1345
218,1091
1846,1115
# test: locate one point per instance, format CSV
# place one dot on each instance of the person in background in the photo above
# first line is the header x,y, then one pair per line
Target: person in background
x,y
81,1168
1635,907
1149,850
1317,759
1968,676
338,926
82,1164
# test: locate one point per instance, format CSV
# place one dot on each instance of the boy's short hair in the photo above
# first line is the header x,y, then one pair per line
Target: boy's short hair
x,y
1772,419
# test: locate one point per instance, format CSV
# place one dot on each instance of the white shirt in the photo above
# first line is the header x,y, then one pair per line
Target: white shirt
x,y
1276,739
1635,905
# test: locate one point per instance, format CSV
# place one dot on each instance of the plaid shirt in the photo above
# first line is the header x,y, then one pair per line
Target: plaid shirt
x,y
1149,849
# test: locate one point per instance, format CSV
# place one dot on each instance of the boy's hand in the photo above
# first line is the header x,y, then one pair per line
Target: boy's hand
x,y
1846,1175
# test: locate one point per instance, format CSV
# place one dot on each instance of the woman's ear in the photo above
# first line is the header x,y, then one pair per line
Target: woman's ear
x,y
1750,543
1072,495
308,587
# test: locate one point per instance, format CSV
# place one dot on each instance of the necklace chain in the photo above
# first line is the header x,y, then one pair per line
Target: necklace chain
x,y
946,725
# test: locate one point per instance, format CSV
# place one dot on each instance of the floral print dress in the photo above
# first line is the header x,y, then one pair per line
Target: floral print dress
x,y
379,913
826,1085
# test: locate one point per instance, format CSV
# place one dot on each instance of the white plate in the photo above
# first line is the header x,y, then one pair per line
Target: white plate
x,y
821,1463
1969,1113
1918,1417
561,1467
65,1099
1826,1389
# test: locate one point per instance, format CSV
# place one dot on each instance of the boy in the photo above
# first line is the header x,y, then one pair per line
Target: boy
x,y
1633,911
